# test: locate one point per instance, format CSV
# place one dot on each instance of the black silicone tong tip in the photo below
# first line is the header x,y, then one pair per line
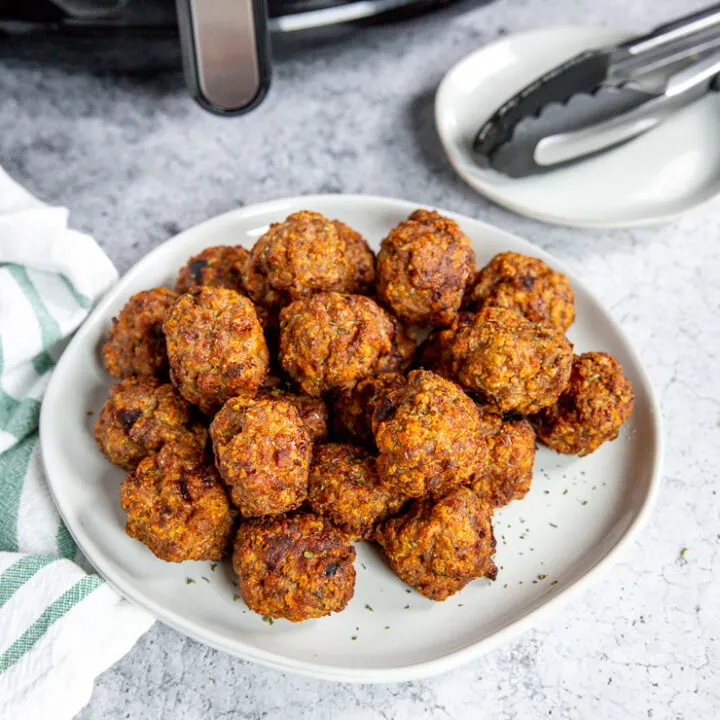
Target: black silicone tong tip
x,y
582,74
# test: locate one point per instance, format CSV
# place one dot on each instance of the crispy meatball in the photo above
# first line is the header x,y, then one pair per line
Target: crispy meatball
x,y
344,488
177,506
263,453
511,455
219,266
353,409
306,254
428,435
313,411
216,346
140,416
594,405
295,567
435,353
439,546
517,365
331,341
136,344
526,285
423,267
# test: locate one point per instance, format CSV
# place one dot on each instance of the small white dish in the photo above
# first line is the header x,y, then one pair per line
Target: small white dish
x,y
656,177
571,526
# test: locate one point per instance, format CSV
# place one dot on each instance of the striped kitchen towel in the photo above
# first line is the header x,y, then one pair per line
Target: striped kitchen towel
x,y
60,626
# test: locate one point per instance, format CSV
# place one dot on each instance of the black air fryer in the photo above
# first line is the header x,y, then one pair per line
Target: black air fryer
x,y
224,44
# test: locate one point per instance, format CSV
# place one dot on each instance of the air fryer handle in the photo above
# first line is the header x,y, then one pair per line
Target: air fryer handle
x,y
226,53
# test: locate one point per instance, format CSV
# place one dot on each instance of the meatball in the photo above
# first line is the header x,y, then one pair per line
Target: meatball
x,y
423,267
312,411
263,453
140,416
428,435
306,254
136,345
353,409
216,346
517,365
435,353
511,456
222,266
331,341
439,546
526,285
177,506
592,408
219,266
344,488
295,567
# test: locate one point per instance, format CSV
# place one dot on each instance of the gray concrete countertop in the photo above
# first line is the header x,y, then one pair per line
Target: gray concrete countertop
x,y
136,161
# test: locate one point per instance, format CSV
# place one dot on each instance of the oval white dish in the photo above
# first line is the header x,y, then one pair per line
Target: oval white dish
x,y
576,518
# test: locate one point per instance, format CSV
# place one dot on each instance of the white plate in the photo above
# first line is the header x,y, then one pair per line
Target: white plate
x,y
656,177
389,642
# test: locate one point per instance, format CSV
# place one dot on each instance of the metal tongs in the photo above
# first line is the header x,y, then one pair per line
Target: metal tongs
x,y
603,98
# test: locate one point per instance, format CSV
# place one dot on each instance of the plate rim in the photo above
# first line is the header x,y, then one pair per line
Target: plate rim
x,y
487,190
399,673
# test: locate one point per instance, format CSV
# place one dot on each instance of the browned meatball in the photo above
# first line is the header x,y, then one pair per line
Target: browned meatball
x,y
313,412
263,453
436,352
177,506
306,254
353,409
440,546
517,365
594,405
344,488
331,341
295,567
136,344
216,346
428,435
140,416
219,266
526,285
423,267
511,455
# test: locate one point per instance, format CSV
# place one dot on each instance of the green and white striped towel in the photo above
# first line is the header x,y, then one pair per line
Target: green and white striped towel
x,y
60,627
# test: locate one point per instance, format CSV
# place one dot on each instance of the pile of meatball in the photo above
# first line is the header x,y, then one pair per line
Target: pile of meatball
x,y
283,403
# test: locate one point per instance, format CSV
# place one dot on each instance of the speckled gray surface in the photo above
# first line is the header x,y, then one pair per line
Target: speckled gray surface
x,y
137,161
